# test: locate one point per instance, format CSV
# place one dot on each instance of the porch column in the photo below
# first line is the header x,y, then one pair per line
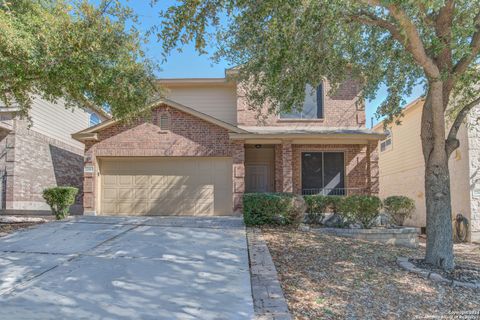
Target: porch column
x,y
238,176
89,181
372,168
287,169
278,168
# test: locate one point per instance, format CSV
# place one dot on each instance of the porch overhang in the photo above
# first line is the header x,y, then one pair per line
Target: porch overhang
x,y
5,129
307,138
85,136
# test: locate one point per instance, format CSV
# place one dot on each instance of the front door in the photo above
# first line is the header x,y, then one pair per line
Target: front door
x,y
256,178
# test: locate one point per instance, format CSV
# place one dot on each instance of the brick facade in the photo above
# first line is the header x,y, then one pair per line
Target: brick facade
x,y
191,136
278,170
238,176
373,168
32,162
188,136
340,110
361,166
287,167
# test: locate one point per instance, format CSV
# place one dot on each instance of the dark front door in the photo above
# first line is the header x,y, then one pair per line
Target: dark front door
x,y
323,172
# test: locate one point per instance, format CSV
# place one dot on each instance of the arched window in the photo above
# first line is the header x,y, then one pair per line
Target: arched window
x,y
94,119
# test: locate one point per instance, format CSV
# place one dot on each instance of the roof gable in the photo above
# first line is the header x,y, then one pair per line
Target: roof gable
x,y
91,133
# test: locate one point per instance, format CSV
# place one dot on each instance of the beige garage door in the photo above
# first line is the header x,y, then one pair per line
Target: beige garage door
x,y
166,186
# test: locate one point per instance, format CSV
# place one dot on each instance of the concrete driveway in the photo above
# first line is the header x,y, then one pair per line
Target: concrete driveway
x,y
127,268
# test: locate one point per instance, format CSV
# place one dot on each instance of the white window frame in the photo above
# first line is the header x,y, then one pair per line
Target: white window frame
x,y
387,143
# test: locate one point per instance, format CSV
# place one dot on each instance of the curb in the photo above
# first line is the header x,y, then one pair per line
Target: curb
x,y
268,300
404,263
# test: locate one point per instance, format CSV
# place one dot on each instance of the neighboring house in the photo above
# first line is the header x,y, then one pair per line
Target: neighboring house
x,y
402,167
40,154
201,148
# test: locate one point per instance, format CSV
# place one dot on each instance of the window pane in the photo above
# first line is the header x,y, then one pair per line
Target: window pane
x,y
333,173
94,119
309,108
323,172
312,177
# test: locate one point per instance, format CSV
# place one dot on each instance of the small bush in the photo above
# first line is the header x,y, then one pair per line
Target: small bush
x,y
334,203
272,208
318,205
60,199
399,208
362,209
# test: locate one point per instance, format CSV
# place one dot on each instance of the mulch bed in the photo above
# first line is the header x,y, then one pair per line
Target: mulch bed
x,y
328,277
6,228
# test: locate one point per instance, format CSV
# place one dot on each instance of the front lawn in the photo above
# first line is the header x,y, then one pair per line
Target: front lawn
x,y
327,277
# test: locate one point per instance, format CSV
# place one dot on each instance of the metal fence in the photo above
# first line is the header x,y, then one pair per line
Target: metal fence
x,y
335,191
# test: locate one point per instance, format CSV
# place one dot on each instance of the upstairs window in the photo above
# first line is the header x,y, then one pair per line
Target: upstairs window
x,y
94,119
386,144
312,106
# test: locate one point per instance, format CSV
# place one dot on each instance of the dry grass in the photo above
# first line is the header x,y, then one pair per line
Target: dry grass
x,y
327,277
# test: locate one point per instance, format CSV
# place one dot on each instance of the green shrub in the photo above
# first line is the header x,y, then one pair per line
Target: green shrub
x,y
272,208
334,203
318,205
399,208
362,209
60,199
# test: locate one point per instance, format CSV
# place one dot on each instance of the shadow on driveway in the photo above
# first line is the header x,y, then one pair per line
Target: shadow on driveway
x,y
127,268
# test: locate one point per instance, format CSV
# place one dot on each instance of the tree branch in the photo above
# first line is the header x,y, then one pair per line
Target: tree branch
x,y
373,20
105,7
415,44
443,29
428,18
452,142
465,61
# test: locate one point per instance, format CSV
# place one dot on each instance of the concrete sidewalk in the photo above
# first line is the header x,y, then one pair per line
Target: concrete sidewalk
x,y
127,268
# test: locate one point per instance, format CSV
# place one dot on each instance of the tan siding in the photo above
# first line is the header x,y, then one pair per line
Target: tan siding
x,y
54,121
402,167
459,176
218,101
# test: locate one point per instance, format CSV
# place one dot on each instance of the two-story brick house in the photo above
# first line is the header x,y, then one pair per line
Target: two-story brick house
x,y
39,153
201,148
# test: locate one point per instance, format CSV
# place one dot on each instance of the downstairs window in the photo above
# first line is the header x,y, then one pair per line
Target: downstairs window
x,y
323,173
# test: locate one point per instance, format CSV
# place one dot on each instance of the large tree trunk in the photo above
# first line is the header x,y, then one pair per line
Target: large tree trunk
x,y
439,250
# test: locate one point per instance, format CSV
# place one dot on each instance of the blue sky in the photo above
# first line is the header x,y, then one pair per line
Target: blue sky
x,y
189,63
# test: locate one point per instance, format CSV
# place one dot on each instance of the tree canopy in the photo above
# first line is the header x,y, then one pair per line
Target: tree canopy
x,y
284,45
74,50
